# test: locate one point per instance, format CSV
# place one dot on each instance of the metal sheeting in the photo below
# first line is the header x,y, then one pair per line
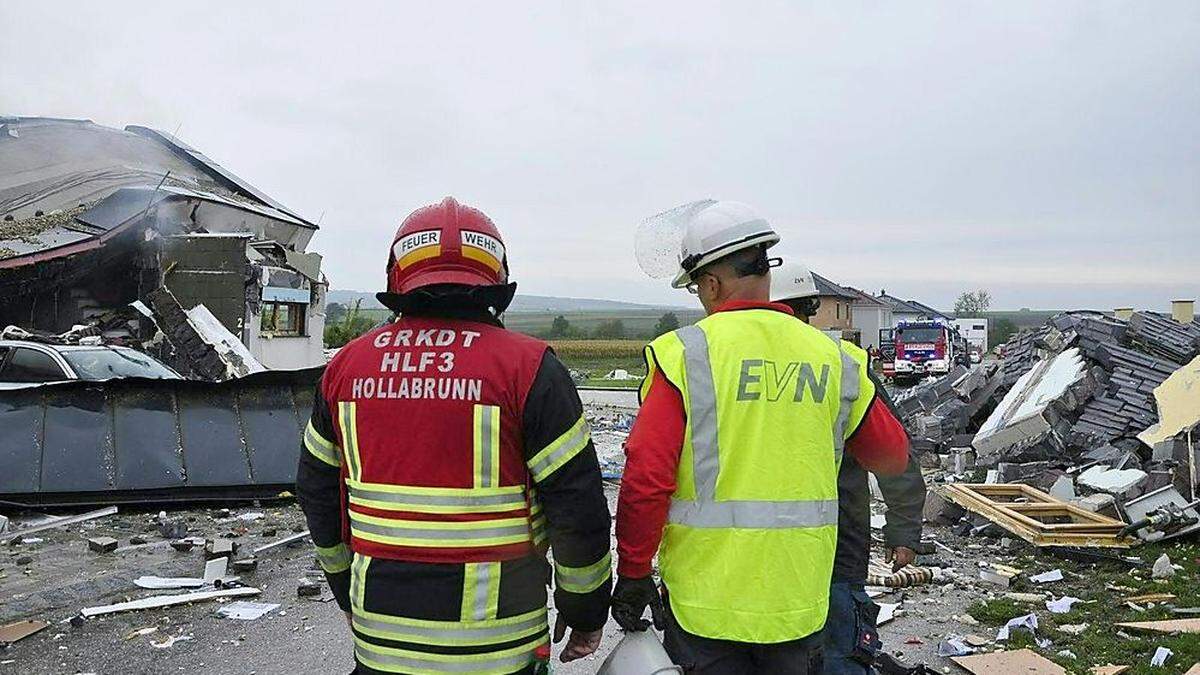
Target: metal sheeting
x,y
152,440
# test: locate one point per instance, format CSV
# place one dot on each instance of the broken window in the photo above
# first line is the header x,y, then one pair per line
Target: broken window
x,y
283,318
28,365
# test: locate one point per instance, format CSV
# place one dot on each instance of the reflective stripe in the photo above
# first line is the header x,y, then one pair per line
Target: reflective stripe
x,y
755,514
560,451
706,511
392,660
450,633
358,579
436,500
347,417
454,534
487,445
583,579
334,559
320,448
539,530
849,388
481,591
702,411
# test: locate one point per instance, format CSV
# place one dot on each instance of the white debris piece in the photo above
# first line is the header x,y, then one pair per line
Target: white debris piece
x,y
159,583
1163,569
1160,657
1027,622
1073,628
887,612
1061,605
246,611
1046,577
237,357
1112,481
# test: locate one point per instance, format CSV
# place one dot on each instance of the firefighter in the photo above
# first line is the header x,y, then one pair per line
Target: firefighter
x,y
732,464
443,455
851,636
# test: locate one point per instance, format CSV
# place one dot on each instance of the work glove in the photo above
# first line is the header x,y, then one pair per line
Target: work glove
x,y
630,599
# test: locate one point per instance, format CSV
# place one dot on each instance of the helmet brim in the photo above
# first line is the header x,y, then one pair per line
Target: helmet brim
x,y
769,239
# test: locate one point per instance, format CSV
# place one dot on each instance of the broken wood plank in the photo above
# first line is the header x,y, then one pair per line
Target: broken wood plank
x,y
156,601
19,630
1167,626
1019,662
1109,670
66,520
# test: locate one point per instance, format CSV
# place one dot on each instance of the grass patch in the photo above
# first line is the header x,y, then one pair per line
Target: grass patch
x,y
1104,586
596,358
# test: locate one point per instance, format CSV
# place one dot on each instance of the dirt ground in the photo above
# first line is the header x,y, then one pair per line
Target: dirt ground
x,y
52,579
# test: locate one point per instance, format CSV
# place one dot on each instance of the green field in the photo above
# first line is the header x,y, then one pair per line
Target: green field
x,y
596,358
639,324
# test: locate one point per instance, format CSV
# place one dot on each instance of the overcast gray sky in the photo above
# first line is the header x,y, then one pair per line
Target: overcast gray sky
x,y
1047,151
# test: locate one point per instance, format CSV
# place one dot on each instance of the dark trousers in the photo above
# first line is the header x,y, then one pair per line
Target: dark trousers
x,y
851,639
717,657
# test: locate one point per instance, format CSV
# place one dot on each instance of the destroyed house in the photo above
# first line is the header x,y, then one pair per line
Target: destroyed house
x,y
94,218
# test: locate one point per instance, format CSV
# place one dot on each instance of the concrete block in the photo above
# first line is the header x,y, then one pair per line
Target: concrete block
x,y
1100,503
1063,488
308,588
1124,483
245,565
219,548
102,544
941,511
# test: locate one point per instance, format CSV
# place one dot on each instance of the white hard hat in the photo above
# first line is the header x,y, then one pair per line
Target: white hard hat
x,y
792,280
720,229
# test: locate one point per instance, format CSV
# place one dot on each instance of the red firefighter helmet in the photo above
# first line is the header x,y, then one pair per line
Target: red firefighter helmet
x,y
446,243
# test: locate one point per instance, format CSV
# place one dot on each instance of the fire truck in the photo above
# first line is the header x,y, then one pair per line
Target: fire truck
x,y
927,348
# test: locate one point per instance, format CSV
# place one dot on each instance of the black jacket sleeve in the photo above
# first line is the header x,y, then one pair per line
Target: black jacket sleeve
x,y
903,494
570,491
319,491
905,499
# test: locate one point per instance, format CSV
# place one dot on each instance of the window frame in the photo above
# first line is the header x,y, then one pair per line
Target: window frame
x,y
298,310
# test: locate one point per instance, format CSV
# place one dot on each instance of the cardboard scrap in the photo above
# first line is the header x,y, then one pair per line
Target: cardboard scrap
x,y
1109,670
1194,670
1168,626
1019,662
19,630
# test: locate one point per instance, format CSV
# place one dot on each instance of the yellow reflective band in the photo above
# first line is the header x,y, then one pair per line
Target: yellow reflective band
x,y
439,534
481,591
450,633
320,448
436,500
560,451
391,660
539,530
334,559
358,579
487,446
347,418
583,579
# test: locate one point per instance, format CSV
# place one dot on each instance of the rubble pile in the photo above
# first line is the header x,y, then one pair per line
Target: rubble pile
x,y
1080,395
937,412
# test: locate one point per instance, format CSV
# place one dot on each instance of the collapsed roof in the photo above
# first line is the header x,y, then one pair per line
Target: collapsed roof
x,y
69,186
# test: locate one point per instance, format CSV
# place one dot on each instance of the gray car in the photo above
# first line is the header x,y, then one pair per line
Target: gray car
x,y
24,364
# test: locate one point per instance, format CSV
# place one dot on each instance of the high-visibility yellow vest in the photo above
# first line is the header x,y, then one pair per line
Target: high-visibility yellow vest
x,y
748,549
